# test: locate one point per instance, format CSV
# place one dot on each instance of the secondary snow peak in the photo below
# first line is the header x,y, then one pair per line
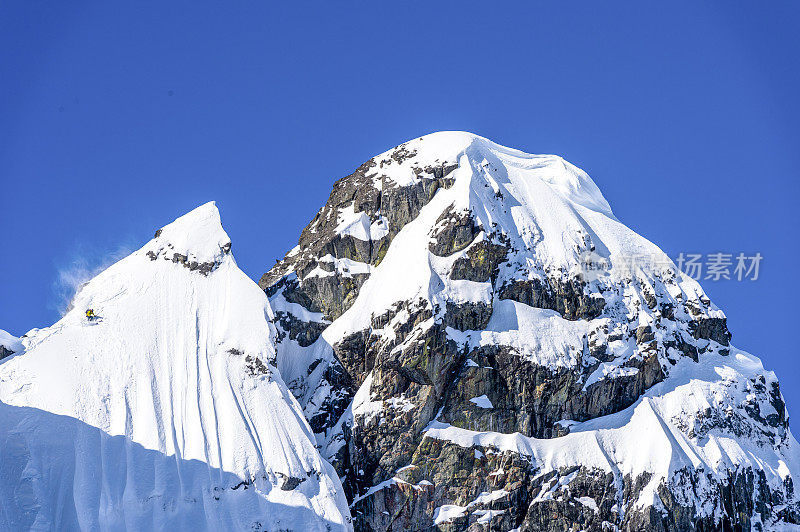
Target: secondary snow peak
x,y
168,405
195,240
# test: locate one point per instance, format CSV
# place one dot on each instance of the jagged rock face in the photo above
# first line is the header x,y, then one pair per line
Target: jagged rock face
x,y
363,214
440,302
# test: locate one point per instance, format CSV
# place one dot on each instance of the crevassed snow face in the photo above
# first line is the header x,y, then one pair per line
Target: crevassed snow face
x,y
174,413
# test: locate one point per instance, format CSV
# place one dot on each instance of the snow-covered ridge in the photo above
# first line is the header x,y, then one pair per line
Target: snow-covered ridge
x,y
166,411
569,181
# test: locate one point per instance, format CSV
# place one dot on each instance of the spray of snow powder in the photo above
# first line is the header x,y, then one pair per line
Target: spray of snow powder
x,y
86,261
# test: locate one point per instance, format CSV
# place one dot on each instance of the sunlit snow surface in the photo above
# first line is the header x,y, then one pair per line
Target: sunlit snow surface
x,y
166,413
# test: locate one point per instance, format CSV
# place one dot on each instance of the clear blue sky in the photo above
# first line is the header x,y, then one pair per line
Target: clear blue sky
x,y
115,120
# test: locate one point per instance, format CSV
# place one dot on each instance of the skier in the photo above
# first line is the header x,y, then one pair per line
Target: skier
x,y
90,315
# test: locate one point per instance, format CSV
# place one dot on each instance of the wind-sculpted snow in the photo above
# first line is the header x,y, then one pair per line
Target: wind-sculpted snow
x,y
167,411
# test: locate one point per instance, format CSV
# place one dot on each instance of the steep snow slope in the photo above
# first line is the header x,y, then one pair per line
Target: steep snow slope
x,y
167,412
456,301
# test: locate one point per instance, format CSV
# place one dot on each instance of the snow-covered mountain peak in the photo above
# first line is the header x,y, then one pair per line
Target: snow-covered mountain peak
x,y
196,239
164,411
569,181
453,294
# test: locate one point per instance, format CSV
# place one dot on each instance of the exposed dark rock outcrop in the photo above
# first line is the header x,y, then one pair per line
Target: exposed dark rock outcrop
x,y
467,316
367,191
453,232
532,399
5,352
480,263
168,253
568,298
304,333
715,329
